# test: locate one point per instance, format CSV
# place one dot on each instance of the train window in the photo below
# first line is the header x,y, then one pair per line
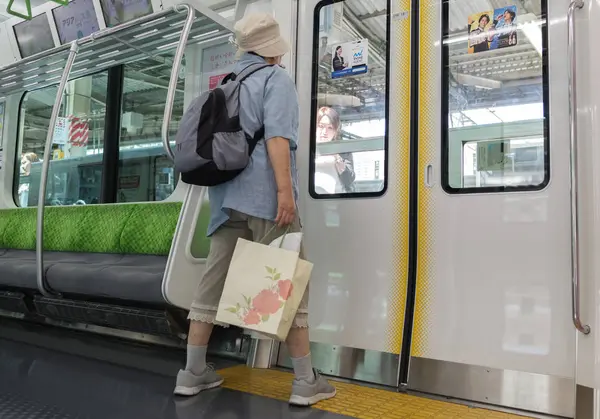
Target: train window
x,y
495,88
350,101
145,173
75,172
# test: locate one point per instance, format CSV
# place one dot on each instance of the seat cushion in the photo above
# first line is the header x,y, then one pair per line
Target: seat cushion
x,y
121,277
18,267
131,278
20,229
88,229
144,229
150,229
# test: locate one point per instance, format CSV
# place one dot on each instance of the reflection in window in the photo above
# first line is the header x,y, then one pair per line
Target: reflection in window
x,y
145,173
350,122
334,173
75,173
496,91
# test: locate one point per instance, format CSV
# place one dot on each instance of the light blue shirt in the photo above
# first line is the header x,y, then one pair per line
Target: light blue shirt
x,y
267,97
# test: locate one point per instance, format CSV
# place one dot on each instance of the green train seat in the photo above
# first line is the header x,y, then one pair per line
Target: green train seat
x,y
109,251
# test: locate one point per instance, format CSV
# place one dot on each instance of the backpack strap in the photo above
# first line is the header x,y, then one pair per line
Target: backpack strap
x,y
253,141
240,77
250,70
227,78
245,73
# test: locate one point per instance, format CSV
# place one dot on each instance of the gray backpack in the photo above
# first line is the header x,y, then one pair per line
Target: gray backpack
x,y
211,146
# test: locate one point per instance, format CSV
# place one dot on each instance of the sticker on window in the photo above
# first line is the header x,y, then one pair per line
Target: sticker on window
x,y
350,59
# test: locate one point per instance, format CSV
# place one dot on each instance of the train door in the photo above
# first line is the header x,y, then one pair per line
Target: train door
x,y
436,205
353,78
492,318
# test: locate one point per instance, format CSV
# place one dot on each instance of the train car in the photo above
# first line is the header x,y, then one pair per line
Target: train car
x,y
448,201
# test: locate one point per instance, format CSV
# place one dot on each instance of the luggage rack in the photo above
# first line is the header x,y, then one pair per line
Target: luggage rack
x,y
153,36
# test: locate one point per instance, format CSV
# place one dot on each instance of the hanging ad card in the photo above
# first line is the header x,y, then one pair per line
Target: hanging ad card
x,y
493,29
350,59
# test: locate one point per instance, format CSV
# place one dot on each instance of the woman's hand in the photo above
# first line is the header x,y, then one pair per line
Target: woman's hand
x,y
340,165
286,208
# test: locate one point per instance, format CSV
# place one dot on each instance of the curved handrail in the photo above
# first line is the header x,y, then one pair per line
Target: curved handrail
x,y
183,39
42,284
572,76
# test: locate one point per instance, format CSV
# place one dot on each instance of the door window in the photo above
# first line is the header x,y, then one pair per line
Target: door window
x,y
350,102
495,88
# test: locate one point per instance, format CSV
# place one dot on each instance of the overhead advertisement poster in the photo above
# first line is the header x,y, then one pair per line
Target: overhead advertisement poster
x,y
350,59
493,29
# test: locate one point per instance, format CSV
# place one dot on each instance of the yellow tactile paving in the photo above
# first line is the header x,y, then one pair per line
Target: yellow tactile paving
x,y
354,400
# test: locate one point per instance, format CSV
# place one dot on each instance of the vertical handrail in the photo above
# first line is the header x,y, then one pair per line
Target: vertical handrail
x,y
183,39
42,284
572,76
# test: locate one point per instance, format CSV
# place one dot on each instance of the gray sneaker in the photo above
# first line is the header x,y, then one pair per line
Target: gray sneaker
x,y
189,384
307,394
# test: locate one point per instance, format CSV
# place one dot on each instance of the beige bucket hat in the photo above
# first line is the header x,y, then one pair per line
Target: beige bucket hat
x,y
260,33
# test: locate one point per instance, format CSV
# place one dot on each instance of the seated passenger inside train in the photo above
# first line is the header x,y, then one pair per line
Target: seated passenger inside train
x,y
333,173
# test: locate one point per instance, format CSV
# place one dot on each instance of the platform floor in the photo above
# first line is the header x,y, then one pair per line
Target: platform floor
x,y
37,383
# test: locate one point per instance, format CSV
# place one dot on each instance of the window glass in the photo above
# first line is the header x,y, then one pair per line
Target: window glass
x,y
495,85
145,173
349,142
75,173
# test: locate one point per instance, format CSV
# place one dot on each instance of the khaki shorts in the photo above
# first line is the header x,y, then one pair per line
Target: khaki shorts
x,y
222,245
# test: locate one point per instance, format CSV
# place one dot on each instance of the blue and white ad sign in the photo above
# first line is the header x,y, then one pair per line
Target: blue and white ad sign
x,y
350,59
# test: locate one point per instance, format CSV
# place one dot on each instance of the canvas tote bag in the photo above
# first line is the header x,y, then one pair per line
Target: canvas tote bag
x,y
264,288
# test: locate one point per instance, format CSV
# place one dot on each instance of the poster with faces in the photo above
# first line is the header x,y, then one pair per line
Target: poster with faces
x,y
492,29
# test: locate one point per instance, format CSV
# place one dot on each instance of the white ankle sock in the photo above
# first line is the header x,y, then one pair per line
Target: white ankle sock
x,y
303,369
196,359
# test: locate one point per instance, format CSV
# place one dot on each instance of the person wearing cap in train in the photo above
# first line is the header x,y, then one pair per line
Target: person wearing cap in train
x,y
265,194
